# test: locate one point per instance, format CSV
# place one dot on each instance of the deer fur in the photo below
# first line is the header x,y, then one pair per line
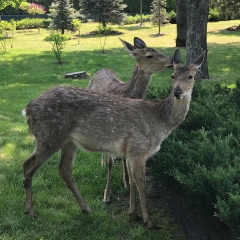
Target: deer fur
x,y
148,61
66,117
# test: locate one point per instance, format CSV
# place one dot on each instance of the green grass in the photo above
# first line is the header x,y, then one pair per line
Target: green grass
x,y
27,70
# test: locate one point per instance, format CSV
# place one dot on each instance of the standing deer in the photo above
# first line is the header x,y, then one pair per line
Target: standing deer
x,y
66,117
148,61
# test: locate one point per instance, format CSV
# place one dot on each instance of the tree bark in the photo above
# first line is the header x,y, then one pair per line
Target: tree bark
x,y
181,10
197,33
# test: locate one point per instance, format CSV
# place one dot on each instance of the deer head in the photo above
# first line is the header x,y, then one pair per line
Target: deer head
x,y
183,76
148,59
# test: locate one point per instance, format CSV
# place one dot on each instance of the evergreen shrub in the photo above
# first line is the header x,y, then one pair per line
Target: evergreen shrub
x,y
214,15
202,156
172,17
136,19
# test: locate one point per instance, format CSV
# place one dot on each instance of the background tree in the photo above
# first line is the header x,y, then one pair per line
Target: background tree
x,y
158,13
102,11
133,6
181,10
63,15
197,33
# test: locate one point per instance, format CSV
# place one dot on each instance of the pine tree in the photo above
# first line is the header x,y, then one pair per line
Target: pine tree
x,y
62,14
158,13
102,11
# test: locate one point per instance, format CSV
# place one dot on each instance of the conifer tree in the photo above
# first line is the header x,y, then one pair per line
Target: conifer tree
x,y
158,13
62,14
102,11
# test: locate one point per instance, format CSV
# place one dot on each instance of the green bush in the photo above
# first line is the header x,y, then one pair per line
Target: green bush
x,y
203,154
172,17
214,15
136,19
30,23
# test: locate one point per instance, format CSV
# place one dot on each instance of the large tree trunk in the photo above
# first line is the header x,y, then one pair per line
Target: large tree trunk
x,y
181,10
197,33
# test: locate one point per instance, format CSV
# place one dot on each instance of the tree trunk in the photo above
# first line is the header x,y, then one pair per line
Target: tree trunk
x,y
141,23
181,10
197,33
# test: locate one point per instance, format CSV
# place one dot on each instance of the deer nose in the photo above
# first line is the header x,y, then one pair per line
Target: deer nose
x,y
177,92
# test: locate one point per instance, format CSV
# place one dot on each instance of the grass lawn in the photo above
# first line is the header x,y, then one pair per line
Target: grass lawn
x,y
28,69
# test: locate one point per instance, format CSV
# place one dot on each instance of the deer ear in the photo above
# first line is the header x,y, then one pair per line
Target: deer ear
x,y
139,43
176,57
129,47
199,60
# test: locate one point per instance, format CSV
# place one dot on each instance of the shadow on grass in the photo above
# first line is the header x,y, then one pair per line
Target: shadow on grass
x,y
225,32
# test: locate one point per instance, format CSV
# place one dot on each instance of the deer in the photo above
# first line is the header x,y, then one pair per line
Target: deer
x,y
148,61
67,117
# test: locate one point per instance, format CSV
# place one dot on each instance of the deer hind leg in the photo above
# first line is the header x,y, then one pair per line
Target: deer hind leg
x,y
68,152
125,174
106,197
137,169
40,155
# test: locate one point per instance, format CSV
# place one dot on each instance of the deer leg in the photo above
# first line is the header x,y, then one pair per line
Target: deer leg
x,y
138,172
106,197
132,209
125,174
39,156
68,152
103,160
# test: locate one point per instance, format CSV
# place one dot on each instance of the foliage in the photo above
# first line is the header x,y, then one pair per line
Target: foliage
x,y
202,154
14,3
133,6
159,15
36,9
103,11
30,23
172,17
228,9
58,42
62,15
102,33
213,15
6,26
77,27
136,19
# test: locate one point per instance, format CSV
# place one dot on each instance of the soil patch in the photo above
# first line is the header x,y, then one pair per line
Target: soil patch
x,y
194,226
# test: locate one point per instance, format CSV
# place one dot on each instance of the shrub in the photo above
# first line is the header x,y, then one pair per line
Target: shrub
x,y
203,154
214,15
30,23
58,42
136,19
172,17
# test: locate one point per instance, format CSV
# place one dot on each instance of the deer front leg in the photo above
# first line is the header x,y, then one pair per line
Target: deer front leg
x,y
138,172
106,197
132,183
65,169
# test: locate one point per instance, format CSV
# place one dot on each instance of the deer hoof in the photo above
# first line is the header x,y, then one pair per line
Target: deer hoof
x,y
151,225
30,213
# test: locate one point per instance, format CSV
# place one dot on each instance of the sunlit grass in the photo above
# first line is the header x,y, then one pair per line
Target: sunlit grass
x,y
27,70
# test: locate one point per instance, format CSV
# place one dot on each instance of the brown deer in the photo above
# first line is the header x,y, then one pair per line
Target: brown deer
x,y
66,117
148,61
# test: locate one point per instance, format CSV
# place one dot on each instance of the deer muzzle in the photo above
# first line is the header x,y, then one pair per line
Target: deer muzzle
x,y
177,92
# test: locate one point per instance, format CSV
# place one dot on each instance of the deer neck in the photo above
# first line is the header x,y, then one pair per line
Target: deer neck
x,y
138,84
175,110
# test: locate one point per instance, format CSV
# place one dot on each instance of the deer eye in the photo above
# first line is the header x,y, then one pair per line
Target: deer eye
x,y
172,76
190,77
150,57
